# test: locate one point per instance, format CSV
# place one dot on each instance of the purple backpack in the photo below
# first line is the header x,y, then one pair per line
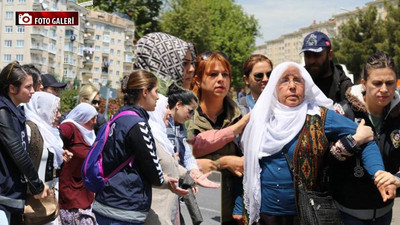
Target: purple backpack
x,y
92,169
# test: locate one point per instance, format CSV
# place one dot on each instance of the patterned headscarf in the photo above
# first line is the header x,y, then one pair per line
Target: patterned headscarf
x,y
163,54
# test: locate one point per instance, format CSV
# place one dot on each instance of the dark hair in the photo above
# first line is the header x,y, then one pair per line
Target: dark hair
x,y
34,72
13,74
379,60
133,84
252,60
176,94
203,64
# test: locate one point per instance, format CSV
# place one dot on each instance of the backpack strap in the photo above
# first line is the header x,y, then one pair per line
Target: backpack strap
x,y
130,159
35,149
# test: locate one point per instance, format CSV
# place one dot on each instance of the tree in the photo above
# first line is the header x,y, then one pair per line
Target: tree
x,y
391,26
358,39
213,26
143,13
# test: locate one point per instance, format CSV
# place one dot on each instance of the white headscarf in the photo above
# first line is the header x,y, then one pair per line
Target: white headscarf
x,y
158,128
41,110
272,125
80,115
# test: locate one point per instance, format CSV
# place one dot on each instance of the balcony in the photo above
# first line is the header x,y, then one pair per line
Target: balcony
x,y
129,42
129,32
88,40
87,63
89,29
36,50
37,35
128,49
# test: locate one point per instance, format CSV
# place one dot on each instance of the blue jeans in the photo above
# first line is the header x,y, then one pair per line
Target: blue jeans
x,y
101,220
383,220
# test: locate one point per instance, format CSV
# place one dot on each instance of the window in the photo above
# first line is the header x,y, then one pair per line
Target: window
x,y
119,31
97,37
98,26
19,57
111,62
119,41
7,43
10,1
20,43
7,57
96,70
118,62
117,74
8,29
112,40
112,51
20,29
111,72
97,48
118,52
97,59
22,1
9,15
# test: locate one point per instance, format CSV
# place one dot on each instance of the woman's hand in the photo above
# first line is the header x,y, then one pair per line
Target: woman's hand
x,y
173,187
67,155
233,164
202,179
206,165
46,191
239,125
363,134
383,178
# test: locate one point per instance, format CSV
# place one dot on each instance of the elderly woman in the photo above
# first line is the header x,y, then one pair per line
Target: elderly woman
x,y
292,114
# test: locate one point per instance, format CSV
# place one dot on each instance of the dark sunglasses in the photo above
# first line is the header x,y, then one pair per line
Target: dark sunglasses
x,y
95,102
260,76
206,55
191,112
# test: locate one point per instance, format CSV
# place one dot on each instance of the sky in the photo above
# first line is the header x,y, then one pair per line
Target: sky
x,y
278,17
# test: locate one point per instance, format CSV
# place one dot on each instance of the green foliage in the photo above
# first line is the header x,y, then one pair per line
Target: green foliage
x,y
213,26
365,34
143,13
69,98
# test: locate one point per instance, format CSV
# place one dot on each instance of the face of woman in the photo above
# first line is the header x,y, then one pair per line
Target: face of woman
x,y
56,116
379,87
290,87
215,82
258,78
188,70
184,112
150,99
22,94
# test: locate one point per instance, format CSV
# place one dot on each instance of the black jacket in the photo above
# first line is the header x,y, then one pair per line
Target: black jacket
x,y
356,191
16,168
338,85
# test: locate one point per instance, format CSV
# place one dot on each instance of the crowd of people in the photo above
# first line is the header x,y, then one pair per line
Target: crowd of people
x,y
342,138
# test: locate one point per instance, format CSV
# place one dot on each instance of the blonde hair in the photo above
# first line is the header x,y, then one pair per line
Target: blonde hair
x,y
88,92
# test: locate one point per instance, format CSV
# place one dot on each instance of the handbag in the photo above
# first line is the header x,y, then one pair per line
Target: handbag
x,y
41,211
315,207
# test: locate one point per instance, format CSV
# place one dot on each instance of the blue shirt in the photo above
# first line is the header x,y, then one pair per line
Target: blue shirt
x,y
277,193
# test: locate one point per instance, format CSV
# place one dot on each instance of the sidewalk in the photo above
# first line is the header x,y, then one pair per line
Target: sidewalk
x,y
396,212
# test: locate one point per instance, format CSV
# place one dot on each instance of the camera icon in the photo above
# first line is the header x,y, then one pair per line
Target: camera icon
x,y
25,19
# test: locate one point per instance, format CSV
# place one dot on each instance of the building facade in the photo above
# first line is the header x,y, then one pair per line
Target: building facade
x,y
288,46
99,50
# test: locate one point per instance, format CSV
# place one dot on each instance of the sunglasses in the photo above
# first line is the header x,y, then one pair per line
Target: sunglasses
x,y
260,76
95,102
206,55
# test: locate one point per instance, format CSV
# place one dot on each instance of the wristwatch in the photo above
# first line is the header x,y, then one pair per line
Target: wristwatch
x,y
352,143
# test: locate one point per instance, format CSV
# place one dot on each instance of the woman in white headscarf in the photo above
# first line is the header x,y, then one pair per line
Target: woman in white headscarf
x,y
164,203
291,110
45,145
78,136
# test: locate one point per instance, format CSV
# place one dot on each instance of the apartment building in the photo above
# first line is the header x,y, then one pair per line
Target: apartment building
x,y
288,46
99,50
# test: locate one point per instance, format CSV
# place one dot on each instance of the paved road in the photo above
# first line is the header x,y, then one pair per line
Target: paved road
x,y
209,201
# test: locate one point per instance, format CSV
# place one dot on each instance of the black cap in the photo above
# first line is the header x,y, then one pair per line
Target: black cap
x,y
49,80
